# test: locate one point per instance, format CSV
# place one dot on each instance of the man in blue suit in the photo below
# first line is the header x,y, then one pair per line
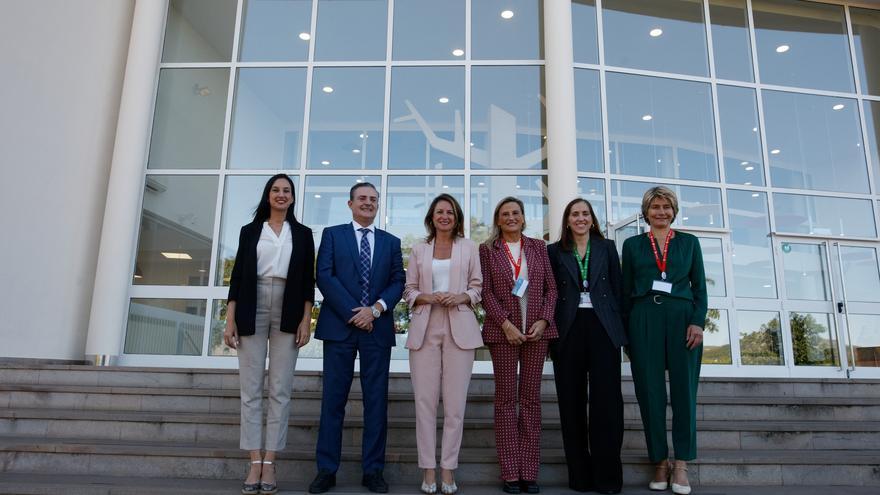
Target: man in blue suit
x,y
360,274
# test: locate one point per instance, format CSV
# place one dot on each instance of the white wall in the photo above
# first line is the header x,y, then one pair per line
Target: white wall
x,y
60,83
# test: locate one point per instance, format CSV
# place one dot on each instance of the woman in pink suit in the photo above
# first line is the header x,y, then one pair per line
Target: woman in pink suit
x,y
519,296
443,283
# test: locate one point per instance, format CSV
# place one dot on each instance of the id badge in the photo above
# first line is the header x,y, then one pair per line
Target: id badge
x,y
519,288
585,301
662,286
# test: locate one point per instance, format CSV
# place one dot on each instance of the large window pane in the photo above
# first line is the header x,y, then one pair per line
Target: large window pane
x,y
865,333
325,201
730,40
716,338
588,115
814,342
661,127
276,30
216,346
802,44
507,29
408,199
583,23
165,326
593,190
806,276
752,254
508,123
821,149
429,30
199,31
189,118
487,191
661,35
866,38
346,121
861,276
351,30
699,206
760,338
738,112
871,110
427,118
177,225
822,215
713,262
268,118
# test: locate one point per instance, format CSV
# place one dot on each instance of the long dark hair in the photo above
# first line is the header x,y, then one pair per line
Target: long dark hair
x,y
458,228
566,240
263,210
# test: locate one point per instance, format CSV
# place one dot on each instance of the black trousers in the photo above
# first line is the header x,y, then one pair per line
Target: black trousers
x,y
586,366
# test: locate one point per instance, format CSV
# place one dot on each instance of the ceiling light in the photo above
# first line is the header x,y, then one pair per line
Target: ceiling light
x,y
656,32
517,186
754,129
750,168
362,135
747,183
327,89
458,52
481,183
684,218
782,48
305,36
325,162
355,150
443,99
472,144
743,163
317,196
506,14
445,186
176,256
647,117
839,106
755,195
359,180
774,152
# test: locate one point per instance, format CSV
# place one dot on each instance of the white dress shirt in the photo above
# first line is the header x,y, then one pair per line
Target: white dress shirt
x,y
273,252
370,239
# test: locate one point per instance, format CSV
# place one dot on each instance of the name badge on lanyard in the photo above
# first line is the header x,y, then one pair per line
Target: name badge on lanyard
x,y
519,287
661,285
584,266
585,301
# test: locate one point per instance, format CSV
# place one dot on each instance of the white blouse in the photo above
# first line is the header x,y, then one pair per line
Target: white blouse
x,y
273,252
440,275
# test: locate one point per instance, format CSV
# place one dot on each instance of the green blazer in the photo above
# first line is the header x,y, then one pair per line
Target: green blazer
x,y
684,270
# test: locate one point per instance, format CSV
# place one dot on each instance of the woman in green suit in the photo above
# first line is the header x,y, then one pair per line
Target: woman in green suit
x,y
664,287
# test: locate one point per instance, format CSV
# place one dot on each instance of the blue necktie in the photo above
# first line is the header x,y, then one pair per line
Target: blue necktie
x,y
365,267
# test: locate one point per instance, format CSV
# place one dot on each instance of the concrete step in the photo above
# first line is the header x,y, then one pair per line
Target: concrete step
x,y
153,459
199,428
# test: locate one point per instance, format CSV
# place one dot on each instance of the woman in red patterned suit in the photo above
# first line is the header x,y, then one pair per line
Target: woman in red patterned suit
x,y
519,296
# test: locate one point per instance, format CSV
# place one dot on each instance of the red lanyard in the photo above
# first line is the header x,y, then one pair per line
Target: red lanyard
x,y
661,265
518,263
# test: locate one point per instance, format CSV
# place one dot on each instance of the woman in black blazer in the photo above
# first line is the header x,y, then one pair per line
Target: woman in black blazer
x,y
271,293
586,357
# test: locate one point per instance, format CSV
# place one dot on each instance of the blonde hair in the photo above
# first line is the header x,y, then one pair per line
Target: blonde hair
x,y
659,192
496,230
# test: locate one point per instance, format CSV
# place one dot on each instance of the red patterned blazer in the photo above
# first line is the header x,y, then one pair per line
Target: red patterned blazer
x,y
498,300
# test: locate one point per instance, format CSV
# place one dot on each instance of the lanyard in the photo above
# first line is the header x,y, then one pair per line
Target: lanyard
x,y
661,265
518,263
583,265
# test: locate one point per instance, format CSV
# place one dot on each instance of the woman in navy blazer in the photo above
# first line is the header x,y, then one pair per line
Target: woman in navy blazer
x,y
271,293
519,294
586,357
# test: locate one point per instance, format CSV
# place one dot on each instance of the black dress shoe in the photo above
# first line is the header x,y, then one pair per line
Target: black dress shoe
x,y
511,487
324,481
529,486
375,482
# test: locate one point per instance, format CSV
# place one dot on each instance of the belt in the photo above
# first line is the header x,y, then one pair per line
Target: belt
x,y
659,299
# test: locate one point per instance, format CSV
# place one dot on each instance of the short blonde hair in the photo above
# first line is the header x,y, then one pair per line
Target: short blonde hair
x,y
659,192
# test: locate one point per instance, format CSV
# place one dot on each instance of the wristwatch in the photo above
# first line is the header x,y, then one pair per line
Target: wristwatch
x,y
376,312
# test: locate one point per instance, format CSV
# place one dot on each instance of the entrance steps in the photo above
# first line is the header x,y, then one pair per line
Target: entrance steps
x,y
62,421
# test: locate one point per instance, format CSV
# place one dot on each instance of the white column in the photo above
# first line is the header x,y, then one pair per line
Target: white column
x,y
561,132
121,211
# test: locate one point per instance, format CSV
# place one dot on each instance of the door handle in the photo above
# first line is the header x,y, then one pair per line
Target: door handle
x,y
840,307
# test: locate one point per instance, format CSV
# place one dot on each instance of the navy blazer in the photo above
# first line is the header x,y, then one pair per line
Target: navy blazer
x,y
605,288
300,285
339,281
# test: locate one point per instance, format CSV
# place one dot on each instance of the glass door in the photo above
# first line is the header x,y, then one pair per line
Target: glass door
x,y
858,309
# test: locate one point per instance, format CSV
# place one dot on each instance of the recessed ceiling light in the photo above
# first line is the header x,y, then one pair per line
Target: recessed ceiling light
x,y
747,183
655,32
743,163
176,256
472,144
445,186
305,36
684,218
506,14
317,196
782,48
362,135
327,89
755,195
839,106
355,151
775,152
754,129
750,168
443,99
647,117
481,183
517,186
325,162
458,52
359,180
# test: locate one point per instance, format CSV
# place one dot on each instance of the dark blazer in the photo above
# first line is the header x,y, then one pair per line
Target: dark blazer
x,y
498,300
605,288
300,285
338,279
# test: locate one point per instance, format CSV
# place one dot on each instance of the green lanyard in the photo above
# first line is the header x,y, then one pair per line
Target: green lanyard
x,y
583,265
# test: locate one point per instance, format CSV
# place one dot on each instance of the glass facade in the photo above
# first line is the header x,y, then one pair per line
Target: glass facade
x,y
762,115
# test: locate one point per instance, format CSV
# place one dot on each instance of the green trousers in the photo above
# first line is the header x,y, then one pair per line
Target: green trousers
x,y
657,343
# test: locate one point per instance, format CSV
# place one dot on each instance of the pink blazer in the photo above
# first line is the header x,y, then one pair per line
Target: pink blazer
x,y
500,303
465,276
